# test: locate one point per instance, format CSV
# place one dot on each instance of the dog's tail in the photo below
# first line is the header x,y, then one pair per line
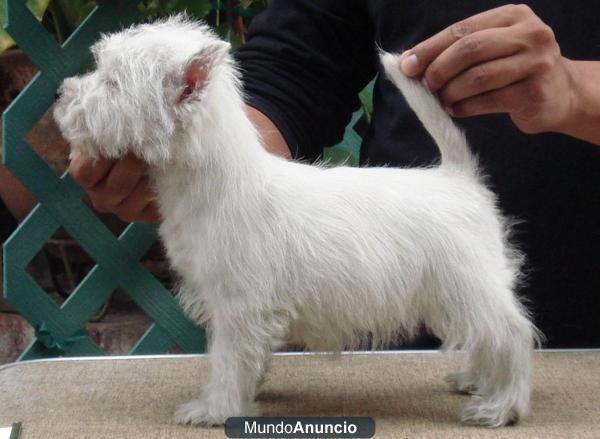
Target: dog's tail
x,y
450,139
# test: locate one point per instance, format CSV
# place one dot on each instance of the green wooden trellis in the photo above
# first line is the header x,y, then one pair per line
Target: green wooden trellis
x,y
61,330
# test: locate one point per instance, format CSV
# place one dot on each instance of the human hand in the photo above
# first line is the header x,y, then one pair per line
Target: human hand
x,y
120,187
505,60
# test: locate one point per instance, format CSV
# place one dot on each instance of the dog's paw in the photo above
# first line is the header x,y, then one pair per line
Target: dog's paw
x,y
487,414
199,412
205,412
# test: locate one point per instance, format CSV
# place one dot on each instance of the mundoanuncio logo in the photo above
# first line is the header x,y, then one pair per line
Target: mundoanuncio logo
x,y
300,427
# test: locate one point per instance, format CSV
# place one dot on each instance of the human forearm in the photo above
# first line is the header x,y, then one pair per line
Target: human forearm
x,y
583,121
272,138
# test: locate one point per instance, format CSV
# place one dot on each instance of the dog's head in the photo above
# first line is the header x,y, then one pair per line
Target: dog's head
x,y
149,80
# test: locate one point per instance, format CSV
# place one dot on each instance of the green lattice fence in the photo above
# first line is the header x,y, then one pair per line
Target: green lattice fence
x,y
61,330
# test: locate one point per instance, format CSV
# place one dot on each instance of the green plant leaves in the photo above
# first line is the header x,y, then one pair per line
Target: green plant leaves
x,y
228,34
63,16
75,10
159,8
37,7
68,14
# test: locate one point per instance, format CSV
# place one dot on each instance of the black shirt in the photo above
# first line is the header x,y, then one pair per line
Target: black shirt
x,y
305,62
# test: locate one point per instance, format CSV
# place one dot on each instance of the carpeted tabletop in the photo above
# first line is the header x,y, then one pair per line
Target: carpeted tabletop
x,y
404,392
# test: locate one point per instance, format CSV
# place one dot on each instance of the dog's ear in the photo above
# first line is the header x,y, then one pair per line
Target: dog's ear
x,y
198,68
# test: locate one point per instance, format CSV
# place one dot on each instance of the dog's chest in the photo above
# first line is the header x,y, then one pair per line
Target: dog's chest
x,y
189,239
191,244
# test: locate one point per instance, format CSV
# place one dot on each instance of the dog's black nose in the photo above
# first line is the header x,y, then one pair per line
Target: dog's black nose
x,y
57,95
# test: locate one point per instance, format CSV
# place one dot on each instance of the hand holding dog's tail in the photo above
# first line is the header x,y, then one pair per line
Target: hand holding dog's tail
x,y
450,139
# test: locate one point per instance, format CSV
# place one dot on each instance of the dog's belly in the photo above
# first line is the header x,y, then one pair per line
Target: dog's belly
x,y
361,315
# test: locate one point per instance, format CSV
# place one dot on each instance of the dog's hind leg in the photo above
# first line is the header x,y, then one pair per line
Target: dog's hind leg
x,y
501,372
500,338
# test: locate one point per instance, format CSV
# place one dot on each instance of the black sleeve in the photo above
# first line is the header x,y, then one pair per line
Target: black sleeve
x,y
303,65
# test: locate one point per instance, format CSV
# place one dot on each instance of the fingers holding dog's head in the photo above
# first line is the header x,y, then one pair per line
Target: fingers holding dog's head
x,y
88,172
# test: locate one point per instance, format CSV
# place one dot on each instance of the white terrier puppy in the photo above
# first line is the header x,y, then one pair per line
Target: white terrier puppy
x,y
271,250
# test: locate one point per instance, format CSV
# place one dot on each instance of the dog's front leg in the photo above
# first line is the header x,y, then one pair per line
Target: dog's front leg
x,y
238,358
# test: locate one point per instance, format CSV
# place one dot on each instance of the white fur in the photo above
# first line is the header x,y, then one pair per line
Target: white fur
x,y
271,250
